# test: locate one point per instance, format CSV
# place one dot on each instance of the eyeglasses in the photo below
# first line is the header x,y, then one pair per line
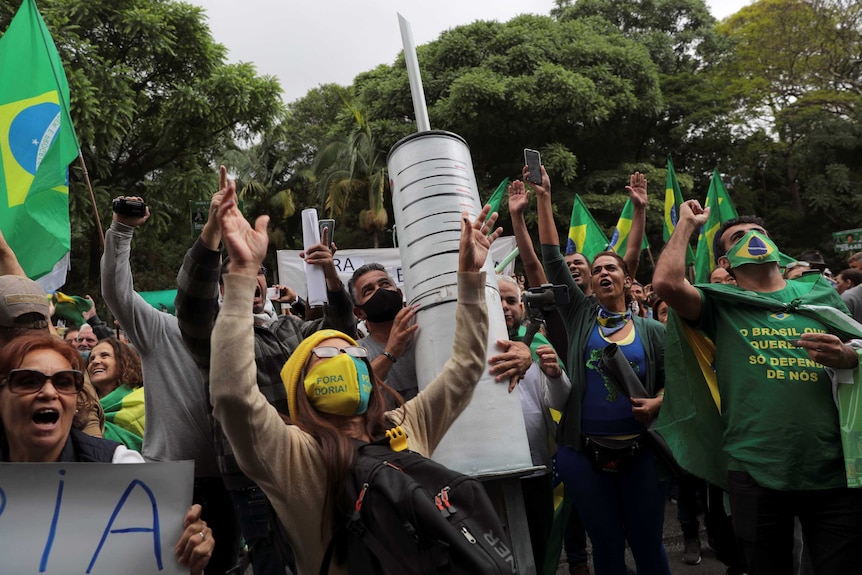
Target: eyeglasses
x,y
327,351
28,381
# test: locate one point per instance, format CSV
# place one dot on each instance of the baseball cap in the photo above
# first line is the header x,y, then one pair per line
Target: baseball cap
x,y
20,296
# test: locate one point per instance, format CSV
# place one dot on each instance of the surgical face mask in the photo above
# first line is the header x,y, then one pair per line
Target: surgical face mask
x,y
383,306
85,353
752,248
339,385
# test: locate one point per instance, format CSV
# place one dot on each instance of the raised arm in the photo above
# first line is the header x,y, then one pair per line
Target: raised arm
x,y
196,302
669,278
519,198
432,412
638,193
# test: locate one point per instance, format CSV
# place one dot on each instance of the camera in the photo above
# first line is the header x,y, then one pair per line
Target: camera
x,y
540,301
126,207
545,298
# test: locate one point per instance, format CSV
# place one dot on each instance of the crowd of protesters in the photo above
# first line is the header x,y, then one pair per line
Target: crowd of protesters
x,y
738,380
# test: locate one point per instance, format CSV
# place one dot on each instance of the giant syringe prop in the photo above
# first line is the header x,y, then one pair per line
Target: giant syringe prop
x,y
432,182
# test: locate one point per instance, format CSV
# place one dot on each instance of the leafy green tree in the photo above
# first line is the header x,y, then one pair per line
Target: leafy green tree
x,y
353,166
154,105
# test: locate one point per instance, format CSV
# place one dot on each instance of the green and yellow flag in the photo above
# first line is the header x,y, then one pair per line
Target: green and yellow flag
x,y
672,203
721,209
620,239
37,143
585,235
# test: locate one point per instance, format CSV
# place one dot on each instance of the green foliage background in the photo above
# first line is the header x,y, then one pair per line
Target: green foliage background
x,y
771,96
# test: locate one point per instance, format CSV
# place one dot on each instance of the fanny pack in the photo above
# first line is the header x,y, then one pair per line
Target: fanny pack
x,y
611,455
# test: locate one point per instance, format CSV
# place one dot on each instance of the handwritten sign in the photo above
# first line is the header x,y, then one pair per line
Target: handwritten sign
x,y
92,518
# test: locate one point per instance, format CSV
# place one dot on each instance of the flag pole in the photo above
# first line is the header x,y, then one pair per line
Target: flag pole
x,y
651,260
92,200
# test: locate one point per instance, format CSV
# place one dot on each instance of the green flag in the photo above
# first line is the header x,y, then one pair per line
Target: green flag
x,y
37,143
620,239
672,203
720,210
585,235
497,197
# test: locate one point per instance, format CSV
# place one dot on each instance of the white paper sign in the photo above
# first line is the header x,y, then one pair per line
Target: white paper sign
x,y
315,281
96,518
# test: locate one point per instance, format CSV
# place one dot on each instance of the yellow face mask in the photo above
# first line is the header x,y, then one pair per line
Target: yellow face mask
x,y
339,385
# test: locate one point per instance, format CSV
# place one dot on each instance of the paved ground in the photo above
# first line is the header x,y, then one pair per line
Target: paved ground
x,y
673,542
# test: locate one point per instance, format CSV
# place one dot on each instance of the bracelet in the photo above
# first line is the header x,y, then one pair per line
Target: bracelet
x,y
660,394
390,356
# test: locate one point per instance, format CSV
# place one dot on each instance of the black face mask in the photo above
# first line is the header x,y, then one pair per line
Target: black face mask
x,y
383,306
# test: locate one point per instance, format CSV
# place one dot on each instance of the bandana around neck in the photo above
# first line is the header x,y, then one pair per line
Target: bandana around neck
x,y
611,322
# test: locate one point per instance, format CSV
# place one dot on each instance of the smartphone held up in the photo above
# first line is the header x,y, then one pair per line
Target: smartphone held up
x,y
533,161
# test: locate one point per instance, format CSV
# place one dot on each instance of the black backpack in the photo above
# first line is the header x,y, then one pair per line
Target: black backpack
x,y
411,515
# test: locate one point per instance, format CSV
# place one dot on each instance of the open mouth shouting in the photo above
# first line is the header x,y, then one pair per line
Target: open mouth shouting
x,y
46,417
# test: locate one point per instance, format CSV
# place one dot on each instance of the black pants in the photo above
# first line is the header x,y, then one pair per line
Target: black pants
x,y
539,504
218,512
763,522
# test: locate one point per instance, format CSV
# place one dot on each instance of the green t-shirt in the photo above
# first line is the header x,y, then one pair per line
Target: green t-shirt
x,y
780,421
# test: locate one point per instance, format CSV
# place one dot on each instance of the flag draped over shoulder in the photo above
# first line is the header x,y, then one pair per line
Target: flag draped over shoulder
x,y
672,203
690,417
496,198
619,241
37,143
585,235
721,209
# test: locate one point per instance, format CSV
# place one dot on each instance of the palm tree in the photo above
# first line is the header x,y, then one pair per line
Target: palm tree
x,y
349,166
262,171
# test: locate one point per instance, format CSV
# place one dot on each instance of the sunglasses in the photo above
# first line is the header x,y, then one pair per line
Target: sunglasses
x,y
327,351
800,263
28,381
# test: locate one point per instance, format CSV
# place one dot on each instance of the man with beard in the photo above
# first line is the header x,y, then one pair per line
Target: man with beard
x,y
775,441
543,387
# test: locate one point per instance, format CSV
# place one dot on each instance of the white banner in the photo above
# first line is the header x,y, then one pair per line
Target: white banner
x,y
96,518
291,273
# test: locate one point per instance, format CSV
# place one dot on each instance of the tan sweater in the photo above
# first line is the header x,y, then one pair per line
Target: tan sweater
x,y
285,461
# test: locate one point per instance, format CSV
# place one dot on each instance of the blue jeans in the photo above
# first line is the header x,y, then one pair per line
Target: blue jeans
x,y
255,516
616,508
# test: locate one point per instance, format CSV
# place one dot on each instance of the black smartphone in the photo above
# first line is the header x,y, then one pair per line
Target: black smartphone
x,y
533,161
327,225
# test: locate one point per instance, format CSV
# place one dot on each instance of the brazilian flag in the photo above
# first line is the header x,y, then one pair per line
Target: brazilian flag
x,y
37,143
620,239
672,204
721,209
585,235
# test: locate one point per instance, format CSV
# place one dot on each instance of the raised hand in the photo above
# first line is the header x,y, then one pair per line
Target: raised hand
x,y
638,189
543,189
245,245
133,221
691,211
519,197
476,240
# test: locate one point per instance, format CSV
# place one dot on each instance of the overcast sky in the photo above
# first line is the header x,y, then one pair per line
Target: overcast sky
x,y
306,43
